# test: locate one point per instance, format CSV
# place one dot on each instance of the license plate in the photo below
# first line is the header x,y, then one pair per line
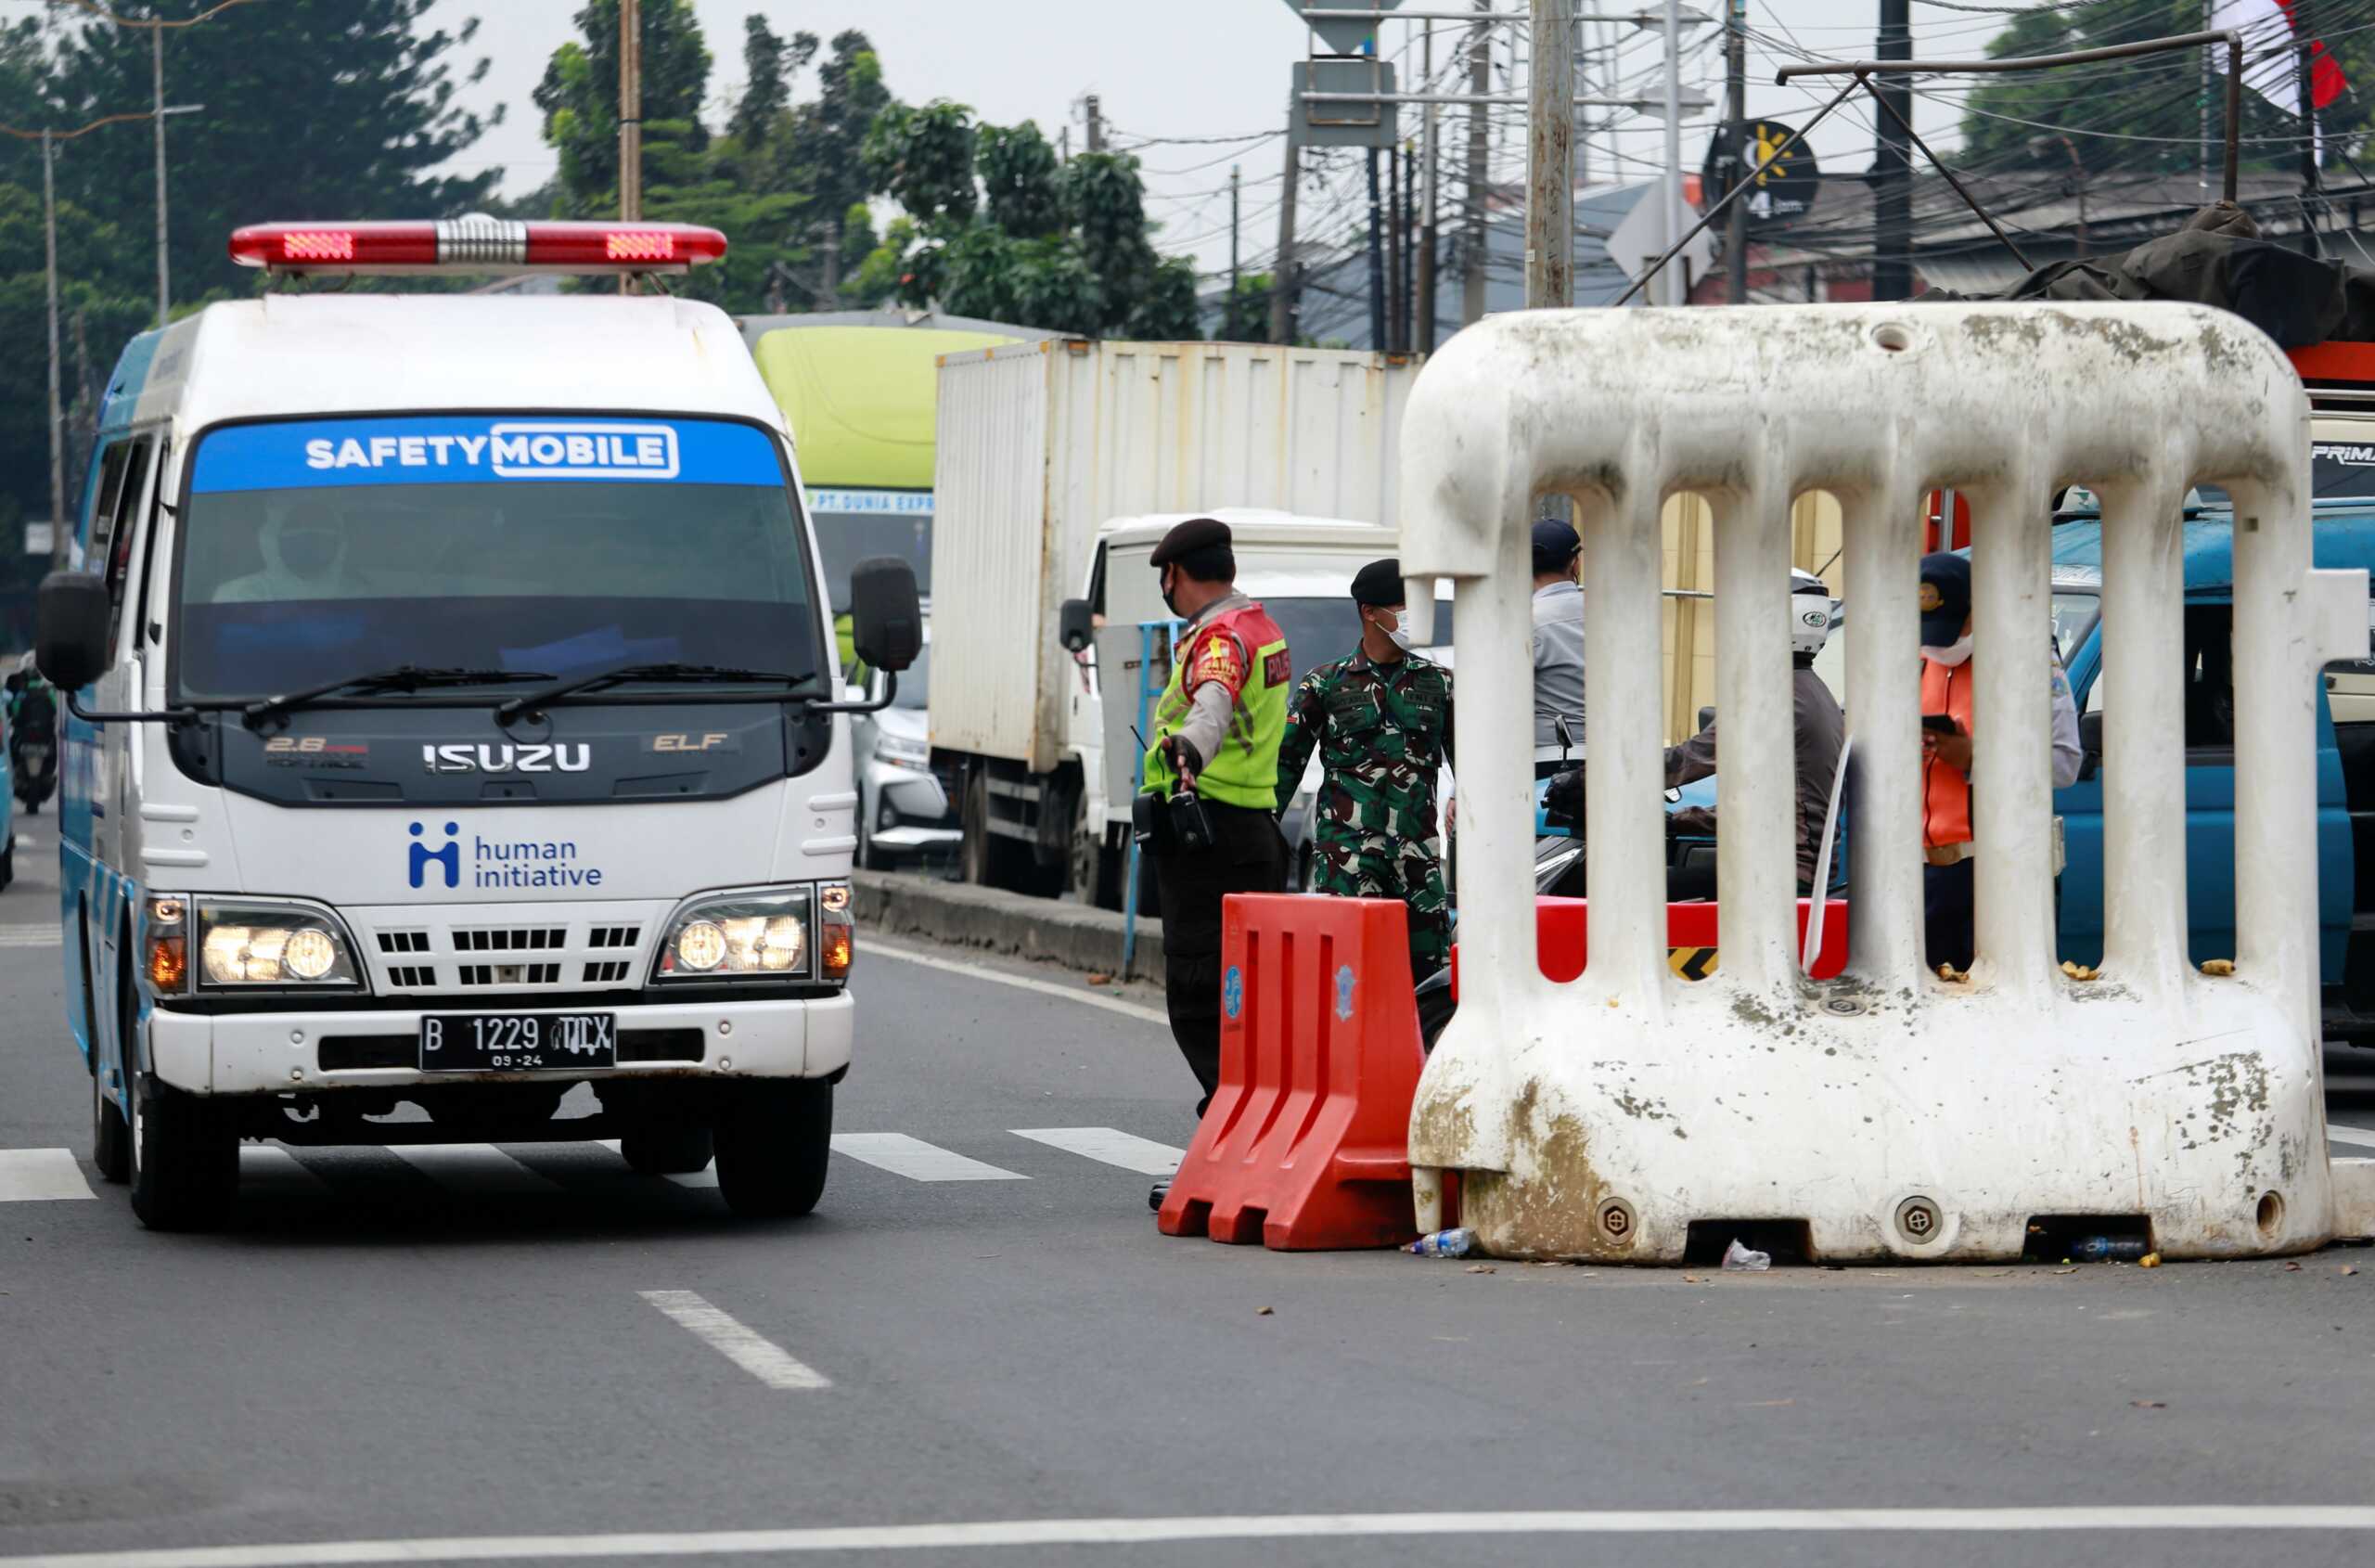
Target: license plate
x,y
526,1042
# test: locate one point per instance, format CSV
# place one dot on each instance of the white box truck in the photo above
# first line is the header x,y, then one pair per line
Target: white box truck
x,y
1040,445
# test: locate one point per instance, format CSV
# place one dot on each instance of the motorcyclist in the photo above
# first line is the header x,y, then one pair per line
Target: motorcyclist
x,y
33,735
1820,729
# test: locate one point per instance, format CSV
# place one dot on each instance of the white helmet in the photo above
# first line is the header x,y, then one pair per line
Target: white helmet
x,y
1809,613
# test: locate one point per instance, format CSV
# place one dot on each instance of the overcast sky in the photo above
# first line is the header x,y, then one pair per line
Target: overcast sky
x,y
1180,69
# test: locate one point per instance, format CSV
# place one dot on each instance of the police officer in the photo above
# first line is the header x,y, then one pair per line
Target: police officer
x,y
1216,731
1558,646
1381,721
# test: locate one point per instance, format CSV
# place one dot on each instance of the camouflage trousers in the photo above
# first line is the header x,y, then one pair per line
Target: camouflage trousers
x,y
1408,871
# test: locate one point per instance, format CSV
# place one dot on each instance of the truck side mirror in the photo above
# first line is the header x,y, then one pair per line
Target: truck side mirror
x,y
886,618
1074,623
2090,745
70,629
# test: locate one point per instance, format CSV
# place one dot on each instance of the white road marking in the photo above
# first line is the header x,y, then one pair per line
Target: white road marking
x,y
2357,1137
1021,981
473,1167
705,1177
31,936
272,1167
1230,1527
33,1175
738,1343
1111,1145
267,1167
915,1158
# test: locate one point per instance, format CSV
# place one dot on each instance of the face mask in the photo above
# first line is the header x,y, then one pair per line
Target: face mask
x,y
1399,632
1168,602
309,552
1953,653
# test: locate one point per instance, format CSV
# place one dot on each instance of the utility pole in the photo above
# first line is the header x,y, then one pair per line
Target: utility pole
x,y
1670,279
2302,77
1736,167
1096,124
157,84
1429,152
1892,163
1282,288
1551,158
59,532
1479,158
1406,283
1231,321
1377,261
1395,339
630,121
630,109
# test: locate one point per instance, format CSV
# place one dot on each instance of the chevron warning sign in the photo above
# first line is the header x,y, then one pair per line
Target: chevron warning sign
x,y
1692,963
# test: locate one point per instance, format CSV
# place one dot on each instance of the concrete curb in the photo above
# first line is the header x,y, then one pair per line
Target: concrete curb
x,y
1078,937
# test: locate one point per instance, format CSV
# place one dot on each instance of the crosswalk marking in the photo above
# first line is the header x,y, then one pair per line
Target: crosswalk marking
x,y
2357,1137
736,1341
915,1158
29,1175
479,1168
705,1177
267,1167
31,936
1112,1146
272,1170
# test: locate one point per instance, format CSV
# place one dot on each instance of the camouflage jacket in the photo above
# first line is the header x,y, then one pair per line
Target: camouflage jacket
x,y
1381,731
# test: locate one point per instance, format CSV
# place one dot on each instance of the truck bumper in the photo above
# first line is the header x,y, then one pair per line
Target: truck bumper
x,y
298,1050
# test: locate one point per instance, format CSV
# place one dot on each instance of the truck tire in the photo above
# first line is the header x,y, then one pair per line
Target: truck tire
x,y
184,1159
667,1150
772,1144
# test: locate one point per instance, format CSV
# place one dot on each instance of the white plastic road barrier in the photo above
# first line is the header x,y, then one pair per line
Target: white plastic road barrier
x,y
1897,1116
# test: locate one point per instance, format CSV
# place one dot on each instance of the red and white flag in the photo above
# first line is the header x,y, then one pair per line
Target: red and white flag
x,y
2272,54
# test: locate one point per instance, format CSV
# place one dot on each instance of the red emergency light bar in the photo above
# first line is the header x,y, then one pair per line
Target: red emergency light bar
x,y
476,245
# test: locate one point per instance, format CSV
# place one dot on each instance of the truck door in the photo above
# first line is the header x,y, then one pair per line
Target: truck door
x,y
121,688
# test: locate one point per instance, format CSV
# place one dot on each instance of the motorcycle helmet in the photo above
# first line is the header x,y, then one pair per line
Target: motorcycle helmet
x,y
1809,613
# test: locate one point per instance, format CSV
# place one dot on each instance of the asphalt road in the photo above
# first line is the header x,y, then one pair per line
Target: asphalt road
x,y
533,1344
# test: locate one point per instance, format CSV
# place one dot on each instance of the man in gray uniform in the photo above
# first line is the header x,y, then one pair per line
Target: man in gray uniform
x,y
1558,646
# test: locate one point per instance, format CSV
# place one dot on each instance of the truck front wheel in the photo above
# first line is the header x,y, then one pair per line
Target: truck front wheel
x,y
184,1159
773,1142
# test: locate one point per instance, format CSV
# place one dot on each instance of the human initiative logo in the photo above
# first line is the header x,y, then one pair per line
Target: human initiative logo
x,y
449,857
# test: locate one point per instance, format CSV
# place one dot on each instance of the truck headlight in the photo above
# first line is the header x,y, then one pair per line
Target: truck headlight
x,y
757,934
900,751
242,944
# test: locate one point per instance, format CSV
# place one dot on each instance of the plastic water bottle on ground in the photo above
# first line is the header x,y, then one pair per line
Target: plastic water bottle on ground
x,y
1444,1245
2108,1248
1739,1259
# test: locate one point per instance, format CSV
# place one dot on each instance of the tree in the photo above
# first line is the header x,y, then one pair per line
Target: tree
x,y
1245,312
282,136
2142,116
1063,246
768,65
828,140
580,93
1021,176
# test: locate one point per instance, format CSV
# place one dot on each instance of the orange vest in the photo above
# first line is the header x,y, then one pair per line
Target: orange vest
x,y
1945,793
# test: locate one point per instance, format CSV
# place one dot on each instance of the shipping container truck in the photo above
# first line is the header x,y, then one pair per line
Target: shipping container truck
x,y
1039,445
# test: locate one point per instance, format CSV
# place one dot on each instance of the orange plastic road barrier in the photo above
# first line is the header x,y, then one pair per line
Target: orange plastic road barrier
x,y
1306,1144
1560,929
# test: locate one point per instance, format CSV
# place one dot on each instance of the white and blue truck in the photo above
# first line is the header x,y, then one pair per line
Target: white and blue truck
x,y
453,721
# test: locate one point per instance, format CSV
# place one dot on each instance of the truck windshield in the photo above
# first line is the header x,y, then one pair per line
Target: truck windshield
x,y
847,534
562,546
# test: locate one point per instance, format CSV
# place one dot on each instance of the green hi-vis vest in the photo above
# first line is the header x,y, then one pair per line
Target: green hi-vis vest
x,y
1246,652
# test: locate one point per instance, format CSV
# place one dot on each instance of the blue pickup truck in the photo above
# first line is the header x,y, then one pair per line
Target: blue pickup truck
x,y
2344,537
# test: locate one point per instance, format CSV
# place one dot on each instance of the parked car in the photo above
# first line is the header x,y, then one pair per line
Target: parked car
x,y
905,810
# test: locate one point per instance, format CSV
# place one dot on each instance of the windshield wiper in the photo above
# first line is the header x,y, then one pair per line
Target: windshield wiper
x,y
682,674
404,678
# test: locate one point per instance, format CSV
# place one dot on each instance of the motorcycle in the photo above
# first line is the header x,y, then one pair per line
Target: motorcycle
x,y
33,753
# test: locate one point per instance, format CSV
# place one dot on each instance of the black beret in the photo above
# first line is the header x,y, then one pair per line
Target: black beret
x,y
1378,582
1196,534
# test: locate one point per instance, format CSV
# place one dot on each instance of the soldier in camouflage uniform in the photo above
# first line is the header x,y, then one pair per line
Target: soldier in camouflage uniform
x,y
1381,721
